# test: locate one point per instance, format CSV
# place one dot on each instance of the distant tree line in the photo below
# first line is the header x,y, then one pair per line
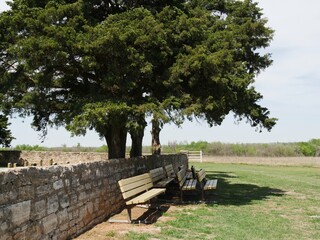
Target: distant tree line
x,y
295,149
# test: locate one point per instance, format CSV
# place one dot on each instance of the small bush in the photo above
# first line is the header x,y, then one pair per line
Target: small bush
x,y
103,149
25,147
309,148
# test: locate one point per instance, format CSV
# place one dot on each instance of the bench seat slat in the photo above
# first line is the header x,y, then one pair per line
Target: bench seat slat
x,y
210,184
189,175
136,190
201,175
190,184
159,178
138,178
134,185
157,174
146,196
164,182
169,170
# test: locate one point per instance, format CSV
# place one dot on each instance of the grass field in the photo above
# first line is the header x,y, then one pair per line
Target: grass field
x,y
252,202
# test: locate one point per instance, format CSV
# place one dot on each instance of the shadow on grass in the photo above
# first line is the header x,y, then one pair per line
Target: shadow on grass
x,y
239,193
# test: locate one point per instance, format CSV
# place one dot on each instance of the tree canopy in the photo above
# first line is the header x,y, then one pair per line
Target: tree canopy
x,y
107,65
5,134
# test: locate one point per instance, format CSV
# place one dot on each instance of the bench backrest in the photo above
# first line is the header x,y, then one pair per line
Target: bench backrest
x,y
157,174
169,170
134,185
201,174
181,175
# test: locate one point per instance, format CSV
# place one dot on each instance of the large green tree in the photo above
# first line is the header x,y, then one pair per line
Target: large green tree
x,y
106,65
217,55
5,134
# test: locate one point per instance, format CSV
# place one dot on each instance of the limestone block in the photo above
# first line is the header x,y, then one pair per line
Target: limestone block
x,y
98,172
73,198
34,232
58,184
43,190
89,207
9,177
67,182
64,227
21,235
64,201
94,195
12,195
3,228
63,216
49,223
20,212
75,181
26,192
86,174
52,204
40,209
3,199
1,214
80,188
82,196
6,236
88,186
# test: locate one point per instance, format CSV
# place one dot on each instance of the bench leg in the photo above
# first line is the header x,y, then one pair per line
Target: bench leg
x,y
129,213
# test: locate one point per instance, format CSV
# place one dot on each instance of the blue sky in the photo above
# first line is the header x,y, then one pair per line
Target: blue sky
x,y
290,88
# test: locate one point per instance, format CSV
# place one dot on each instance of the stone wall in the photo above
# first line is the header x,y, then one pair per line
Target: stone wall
x,y
10,156
59,202
45,157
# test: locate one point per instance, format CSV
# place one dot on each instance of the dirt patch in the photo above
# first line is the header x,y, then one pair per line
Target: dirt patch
x,y
108,230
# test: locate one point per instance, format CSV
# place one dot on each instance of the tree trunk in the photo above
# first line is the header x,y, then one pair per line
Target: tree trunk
x,y
116,137
155,134
137,133
136,145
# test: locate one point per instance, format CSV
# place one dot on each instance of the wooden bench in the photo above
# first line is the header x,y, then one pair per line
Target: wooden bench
x,y
138,190
184,183
159,178
169,171
188,172
205,184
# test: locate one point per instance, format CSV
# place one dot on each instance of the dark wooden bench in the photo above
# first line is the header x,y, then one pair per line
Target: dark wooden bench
x,y
189,173
184,183
169,171
138,190
205,184
159,179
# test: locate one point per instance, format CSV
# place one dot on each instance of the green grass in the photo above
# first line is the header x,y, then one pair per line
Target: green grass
x,y
252,202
